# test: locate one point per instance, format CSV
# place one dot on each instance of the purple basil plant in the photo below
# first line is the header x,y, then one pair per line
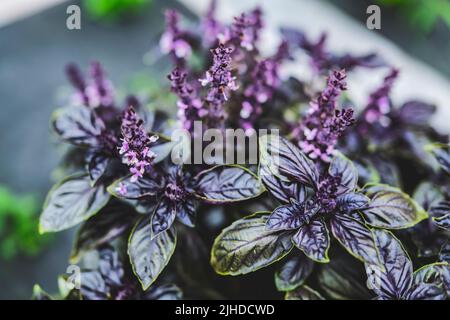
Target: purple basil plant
x,y
342,203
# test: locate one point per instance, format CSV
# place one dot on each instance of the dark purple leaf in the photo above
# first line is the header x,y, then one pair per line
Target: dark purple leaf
x,y
144,187
356,238
352,201
284,160
442,154
342,167
416,113
281,189
394,280
186,212
225,183
163,292
430,282
444,254
303,293
149,256
247,245
78,125
97,163
427,195
313,239
344,279
293,273
443,221
105,226
390,208
163,216
70,202
285,217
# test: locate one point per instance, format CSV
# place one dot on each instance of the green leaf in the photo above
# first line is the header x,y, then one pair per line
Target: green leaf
x,y
247,245
227,183
293,273
149,256
390,208
70,202
303,293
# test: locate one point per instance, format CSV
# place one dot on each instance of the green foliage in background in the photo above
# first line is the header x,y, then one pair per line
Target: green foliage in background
x,y
423,13
113,9
19,226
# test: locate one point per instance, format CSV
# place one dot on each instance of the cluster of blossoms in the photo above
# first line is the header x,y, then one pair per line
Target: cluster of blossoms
x,y
136,142
173,40
220,81
319,131
305,190
98,92
190,107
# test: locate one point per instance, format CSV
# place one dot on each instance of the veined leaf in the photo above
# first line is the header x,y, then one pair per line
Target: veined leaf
x,y
293,273
247,245
70,202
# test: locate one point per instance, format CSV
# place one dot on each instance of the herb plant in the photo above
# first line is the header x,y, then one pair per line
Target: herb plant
x,y
341,206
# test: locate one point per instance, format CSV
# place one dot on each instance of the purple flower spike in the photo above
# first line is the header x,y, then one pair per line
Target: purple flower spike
x,y
246,28
379,103
190,107
220,82
135,144
97,92
324,124
264,81
173,40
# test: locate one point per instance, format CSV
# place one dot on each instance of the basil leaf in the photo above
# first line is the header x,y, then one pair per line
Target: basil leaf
x,y
164,292
280,189
342,279
247,245
441,152
163,216
343,167
416,113
108,224
356,238
227,183
149,256
314,240
293,273
350,202
394,282
70,202
390,208
97,163
303,293
78,125
284,160
286,217
124,188
427,195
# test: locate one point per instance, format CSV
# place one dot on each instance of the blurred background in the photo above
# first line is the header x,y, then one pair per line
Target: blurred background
x,y
35,46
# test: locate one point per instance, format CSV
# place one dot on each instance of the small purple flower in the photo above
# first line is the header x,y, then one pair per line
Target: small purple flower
x,y
379,103
135,144
211,27
319,131
98,92
190,107
173,40
264,81
220,82
246,28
